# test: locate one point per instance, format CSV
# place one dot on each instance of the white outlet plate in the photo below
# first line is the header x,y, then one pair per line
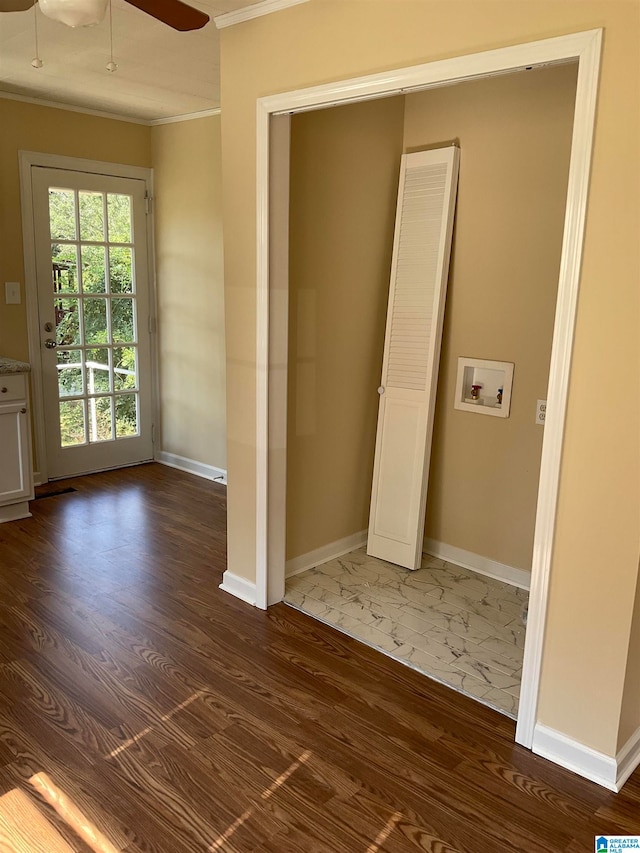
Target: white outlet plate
x,y
541,411
12,292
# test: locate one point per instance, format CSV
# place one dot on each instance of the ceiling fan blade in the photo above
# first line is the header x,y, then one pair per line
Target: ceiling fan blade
x,y
15,5
172,12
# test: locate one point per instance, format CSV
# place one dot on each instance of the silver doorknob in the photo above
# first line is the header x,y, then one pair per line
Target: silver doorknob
x,y
381,389
50,343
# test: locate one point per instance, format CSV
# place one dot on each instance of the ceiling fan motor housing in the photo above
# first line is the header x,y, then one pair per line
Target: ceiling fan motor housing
x,y
75,13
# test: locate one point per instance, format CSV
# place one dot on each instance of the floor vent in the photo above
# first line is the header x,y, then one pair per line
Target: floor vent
x,y
53,493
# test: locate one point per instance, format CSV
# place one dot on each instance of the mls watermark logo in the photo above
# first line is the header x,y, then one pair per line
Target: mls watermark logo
x,y
616,843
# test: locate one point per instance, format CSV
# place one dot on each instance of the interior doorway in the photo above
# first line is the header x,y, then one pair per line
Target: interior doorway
x,y
272,182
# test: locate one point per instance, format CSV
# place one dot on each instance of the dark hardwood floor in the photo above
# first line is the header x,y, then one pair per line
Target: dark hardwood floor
x,y
171,718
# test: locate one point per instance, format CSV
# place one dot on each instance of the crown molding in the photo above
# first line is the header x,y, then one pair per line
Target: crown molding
x,y
185,117
72,108
257,10
42,102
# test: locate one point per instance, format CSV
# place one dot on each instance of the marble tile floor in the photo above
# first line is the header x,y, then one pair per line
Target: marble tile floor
x,y
458,627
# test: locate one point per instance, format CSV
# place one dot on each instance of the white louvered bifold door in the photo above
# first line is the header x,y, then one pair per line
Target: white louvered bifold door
x,y
419,270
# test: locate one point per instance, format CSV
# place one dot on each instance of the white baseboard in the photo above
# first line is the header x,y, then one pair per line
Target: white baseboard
x,y
14,512
576,757
478,563
325,553
466,559
209,472
240,587
627,759
37,479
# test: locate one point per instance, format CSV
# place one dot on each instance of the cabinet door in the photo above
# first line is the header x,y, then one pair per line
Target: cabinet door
x,y
15,454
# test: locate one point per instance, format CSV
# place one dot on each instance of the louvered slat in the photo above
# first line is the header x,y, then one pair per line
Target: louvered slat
x,y
416,276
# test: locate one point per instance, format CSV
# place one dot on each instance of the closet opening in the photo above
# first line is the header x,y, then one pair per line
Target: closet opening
x,y
461,617
274,118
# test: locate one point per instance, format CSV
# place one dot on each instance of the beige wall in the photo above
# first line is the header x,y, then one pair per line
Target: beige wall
x,y
188,221
344,175
597,524
31,127
515,140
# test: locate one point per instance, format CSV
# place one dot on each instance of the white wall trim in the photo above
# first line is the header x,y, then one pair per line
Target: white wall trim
x,y
80,164
477,563
575,756
201,469
628,759
256,10
184,117
71,108
278,347
239,587
14,512
27,159
559,370
585,47
602,769
325,553
263,159
156,425
146,122
399,81
466,559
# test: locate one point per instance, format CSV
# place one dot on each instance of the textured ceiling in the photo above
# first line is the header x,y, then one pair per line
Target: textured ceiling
x,y
161,72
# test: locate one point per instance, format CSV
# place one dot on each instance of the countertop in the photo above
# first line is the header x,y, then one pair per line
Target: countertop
x,y
10,365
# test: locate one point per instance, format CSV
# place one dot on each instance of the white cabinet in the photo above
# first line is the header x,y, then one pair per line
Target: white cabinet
x,y
16,475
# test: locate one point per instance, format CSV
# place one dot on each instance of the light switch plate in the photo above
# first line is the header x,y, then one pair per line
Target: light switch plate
x,y
541,411
12,292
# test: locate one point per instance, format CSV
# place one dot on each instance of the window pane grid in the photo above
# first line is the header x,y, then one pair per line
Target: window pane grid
x,y
70,397
130,392
96,315
65,242
73,422
106,359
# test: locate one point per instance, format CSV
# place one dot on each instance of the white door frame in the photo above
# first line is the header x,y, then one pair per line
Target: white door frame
x,y
27,159
271,401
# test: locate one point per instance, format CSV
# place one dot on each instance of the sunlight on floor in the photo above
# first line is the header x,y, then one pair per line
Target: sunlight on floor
x,y
132,740
226,835
71,814
384,833
23,828
17,809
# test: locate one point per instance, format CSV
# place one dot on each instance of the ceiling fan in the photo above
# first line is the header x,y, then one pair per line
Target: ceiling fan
x,y
85,13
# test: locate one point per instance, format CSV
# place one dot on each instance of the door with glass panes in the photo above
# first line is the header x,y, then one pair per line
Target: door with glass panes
x,y
93,310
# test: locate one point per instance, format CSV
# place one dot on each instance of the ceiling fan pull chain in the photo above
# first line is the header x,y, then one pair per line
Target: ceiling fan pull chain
x,y
111,65
36,61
